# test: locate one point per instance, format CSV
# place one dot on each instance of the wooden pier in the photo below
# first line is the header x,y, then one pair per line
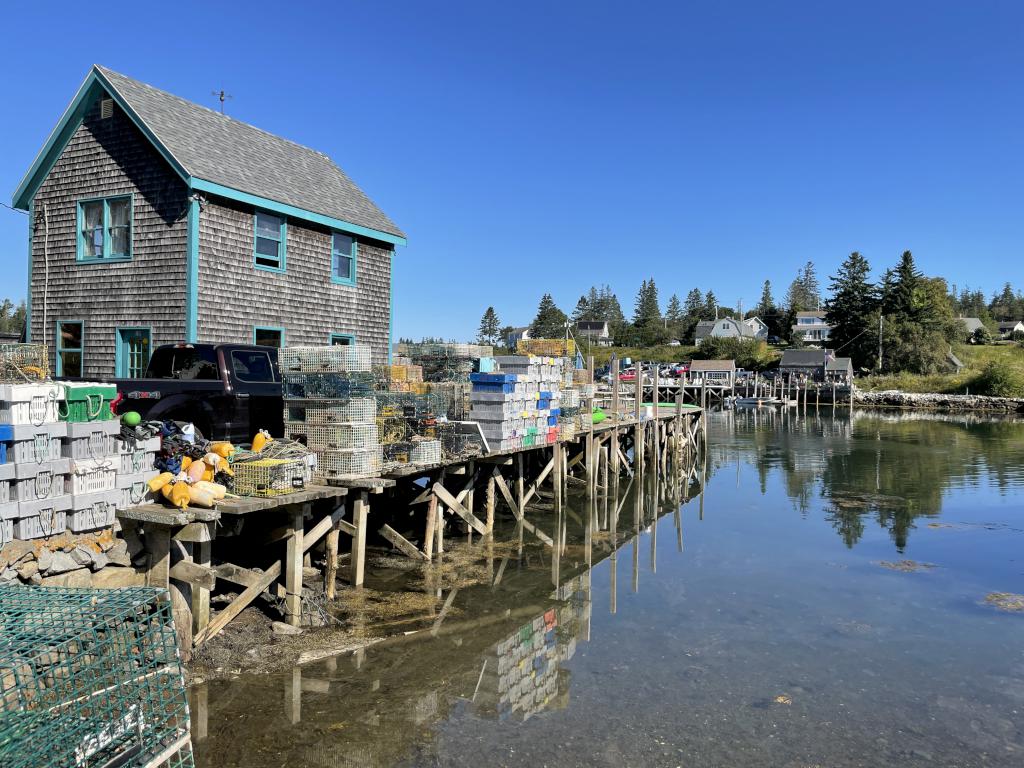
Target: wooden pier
x,y
262,545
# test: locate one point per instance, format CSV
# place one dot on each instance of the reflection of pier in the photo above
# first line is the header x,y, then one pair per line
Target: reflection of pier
x,y
498,646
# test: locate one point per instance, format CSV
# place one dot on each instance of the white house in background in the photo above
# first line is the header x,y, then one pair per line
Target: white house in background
x,y
1010,327
811,327
970,324
722,328
597,331
758,326
515,335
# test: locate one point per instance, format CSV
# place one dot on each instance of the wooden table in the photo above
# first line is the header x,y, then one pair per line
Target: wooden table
x,y
179,544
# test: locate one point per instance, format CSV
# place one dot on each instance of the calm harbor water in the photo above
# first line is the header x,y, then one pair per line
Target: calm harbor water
x,y
818,601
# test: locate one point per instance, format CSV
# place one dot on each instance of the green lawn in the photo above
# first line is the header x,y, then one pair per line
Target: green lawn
x,y
975,358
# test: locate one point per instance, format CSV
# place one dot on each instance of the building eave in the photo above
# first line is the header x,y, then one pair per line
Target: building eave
x,y
91,88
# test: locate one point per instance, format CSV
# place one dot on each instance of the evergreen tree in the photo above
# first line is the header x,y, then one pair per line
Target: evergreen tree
x,y
550,320
693,308
490,326
709,309
851,311
809,283
503,334
582,311
900,290
767,303
646,312
674,310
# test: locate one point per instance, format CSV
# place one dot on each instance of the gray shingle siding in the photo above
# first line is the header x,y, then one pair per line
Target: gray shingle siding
x,y
234,296
110,157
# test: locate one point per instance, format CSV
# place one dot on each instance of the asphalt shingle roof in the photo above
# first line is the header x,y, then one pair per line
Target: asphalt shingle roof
x,y
226,151
802,358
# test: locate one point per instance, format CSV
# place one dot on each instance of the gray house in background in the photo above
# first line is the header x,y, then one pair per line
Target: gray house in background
x,y
154,220
723,328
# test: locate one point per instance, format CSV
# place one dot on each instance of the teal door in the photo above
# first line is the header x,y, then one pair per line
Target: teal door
x,y
133,349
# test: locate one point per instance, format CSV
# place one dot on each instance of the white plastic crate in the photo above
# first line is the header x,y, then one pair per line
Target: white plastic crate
x,y
93,475
132,490
40,481
6,532
135,462
129,445
334,359
46,517
34,444
30,403
91,439
92,511
341,465
6,479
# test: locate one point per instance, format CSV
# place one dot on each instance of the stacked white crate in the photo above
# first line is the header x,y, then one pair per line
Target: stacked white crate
x,y
34,478
92,449
136,467
518,405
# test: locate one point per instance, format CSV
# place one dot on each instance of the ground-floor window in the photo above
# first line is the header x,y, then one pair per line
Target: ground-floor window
x,y
265,336
134,346
341,339
70,348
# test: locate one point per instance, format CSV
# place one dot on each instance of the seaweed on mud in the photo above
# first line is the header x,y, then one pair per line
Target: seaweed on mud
x,y
1006,601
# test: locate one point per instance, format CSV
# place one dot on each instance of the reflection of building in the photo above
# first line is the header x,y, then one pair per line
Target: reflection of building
x,y
522,671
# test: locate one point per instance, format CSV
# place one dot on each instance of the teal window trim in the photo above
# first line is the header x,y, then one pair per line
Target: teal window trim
x,y
336,337
119,360
282,242
272,328
59,347
352,256
80,240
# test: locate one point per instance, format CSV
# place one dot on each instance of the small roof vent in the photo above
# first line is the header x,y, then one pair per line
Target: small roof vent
x,y
106,108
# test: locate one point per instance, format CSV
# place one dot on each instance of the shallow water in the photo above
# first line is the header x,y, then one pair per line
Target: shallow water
x,y
754,624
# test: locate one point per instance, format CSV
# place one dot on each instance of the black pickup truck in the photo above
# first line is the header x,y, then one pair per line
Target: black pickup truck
x,y
229,391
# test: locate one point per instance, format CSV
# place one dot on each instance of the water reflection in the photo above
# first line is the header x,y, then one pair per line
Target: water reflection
x,y
501,654
717,620
886,468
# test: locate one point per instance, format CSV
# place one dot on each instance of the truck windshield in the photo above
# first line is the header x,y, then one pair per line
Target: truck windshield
x,y
183,363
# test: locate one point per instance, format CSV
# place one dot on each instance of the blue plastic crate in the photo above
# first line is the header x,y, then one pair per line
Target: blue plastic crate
x,y
543,403
493,378
480,386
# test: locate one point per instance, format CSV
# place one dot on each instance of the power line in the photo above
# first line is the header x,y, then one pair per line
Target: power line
x,y
16,210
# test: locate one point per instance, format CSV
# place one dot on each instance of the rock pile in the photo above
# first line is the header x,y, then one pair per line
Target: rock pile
x,y
67,560
895,398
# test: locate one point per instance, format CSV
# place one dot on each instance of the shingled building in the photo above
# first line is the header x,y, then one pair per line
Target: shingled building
x,y
154,220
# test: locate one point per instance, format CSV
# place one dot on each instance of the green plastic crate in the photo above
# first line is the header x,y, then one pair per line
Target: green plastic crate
x,y
86,401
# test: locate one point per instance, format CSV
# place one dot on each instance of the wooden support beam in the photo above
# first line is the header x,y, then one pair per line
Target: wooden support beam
x,y
201,594
489,502
401,543
194,574
331,565
360,510
457,507
239,603
429,535
293,572
195,532
536,483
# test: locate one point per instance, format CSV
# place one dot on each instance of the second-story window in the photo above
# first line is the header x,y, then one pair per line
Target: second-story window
x,y
343,259
105,229
269,244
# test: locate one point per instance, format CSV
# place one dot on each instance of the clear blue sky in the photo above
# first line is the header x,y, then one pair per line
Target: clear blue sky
x,y
529,147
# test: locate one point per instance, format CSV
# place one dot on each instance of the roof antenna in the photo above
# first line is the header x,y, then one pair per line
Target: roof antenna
x,y
221,96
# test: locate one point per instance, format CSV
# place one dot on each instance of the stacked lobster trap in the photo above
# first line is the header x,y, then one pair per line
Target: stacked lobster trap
x,y
90,677
331,407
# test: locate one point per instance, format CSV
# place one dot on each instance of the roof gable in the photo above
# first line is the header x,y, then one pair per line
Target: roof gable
x,y
712,365
224,156
803,358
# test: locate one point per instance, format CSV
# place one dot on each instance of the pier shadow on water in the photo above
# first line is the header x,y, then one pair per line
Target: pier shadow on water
x,y
812,594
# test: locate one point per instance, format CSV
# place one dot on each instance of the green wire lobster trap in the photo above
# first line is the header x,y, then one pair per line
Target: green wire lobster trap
x,y
90,678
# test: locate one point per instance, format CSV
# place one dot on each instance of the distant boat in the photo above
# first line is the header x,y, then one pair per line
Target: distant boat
x,y
756,402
